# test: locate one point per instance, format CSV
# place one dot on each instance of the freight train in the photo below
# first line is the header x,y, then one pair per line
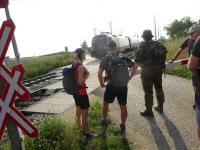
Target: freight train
x,y
126,45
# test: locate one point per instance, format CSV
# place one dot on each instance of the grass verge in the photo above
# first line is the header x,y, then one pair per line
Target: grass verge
x,y
36,66
172,47
56,134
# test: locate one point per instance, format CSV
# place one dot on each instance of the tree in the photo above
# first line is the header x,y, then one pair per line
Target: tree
x,y
179,28
84,46
199,22
162,39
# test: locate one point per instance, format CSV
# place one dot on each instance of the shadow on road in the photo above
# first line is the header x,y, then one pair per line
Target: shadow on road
x,y
174,133
159,138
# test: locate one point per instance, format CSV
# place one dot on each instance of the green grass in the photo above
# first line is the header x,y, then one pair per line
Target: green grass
x,y
5,146
54,133
36,66
172,47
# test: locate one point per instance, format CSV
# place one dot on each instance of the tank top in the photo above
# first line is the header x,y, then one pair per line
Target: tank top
x,y
83,90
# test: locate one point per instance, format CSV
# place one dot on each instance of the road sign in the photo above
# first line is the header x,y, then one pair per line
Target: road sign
x,y
3,3
14,87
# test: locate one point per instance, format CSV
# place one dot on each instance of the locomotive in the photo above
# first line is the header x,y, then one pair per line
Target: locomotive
x,y
126,45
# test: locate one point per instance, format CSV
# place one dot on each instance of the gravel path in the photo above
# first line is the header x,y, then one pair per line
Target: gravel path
x,y
173,130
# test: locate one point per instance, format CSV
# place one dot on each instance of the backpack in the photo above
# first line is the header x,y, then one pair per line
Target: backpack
x,y
118,72
69,82
158,54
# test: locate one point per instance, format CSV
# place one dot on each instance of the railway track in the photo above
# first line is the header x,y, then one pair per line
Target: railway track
x,y
37,88
38,92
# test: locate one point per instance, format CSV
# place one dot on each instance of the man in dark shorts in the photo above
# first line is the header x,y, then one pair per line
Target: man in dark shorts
x,y
194,66
117,80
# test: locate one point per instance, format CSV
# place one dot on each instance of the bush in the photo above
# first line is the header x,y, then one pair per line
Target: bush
x,y
54,134
5,146
172,47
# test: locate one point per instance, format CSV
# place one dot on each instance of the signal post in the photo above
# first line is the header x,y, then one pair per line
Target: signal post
x,y
9,93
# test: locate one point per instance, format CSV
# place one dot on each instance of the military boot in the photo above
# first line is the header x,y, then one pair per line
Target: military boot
x,y
159,108
147,113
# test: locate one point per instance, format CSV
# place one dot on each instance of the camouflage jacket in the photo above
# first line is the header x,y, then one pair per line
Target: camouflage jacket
x,y
151,54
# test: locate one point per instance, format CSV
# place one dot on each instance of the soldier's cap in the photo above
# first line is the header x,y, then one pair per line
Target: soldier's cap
x,y
193,29
147,34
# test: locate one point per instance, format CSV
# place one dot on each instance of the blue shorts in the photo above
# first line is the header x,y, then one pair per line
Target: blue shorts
x,y
197,106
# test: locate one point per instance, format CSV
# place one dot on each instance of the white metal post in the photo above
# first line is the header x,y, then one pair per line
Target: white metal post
x,y
14,43
14,133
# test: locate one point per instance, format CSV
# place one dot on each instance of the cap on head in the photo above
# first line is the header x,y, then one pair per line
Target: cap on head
x,y
79,52
147,34
112,44
193,29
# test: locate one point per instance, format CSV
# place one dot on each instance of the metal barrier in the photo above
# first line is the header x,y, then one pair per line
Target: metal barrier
x,y
170,65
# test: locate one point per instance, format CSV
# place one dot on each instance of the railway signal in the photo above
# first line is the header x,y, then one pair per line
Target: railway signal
x,y
3,3
14,86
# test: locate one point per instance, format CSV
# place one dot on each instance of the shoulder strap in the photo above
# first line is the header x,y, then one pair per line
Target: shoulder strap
x,y
75,66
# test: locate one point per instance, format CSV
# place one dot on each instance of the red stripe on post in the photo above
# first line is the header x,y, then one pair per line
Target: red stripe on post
x,y
3,3
184,61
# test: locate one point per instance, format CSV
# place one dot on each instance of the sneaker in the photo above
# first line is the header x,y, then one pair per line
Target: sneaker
x,y
123,129
104,122
147,113
158,109
91,136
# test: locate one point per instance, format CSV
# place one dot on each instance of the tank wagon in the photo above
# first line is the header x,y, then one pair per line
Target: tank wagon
x,y
125,44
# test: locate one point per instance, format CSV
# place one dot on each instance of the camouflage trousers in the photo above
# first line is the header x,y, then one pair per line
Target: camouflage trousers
x,y
148,81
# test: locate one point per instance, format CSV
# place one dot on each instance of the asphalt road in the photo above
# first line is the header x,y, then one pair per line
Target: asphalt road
x,y
173,130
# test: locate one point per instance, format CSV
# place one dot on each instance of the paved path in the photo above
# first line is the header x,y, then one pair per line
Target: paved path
x,y
173,130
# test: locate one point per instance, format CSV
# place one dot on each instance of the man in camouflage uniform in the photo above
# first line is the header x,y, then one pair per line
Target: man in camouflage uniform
x,y
151,72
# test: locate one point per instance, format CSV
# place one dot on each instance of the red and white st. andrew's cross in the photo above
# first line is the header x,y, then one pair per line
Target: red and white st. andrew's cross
x,y
14,87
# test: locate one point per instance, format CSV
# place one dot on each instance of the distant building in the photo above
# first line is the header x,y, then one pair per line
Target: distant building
x,y
66,49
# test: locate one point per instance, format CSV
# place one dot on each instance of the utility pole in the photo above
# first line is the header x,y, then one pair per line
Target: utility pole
x,y
110,27
155,27
94,29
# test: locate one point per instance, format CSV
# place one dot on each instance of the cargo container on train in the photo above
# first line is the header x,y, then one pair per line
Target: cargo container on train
x,y
125,44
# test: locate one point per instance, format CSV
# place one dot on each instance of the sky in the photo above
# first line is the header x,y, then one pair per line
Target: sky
x,y
48,26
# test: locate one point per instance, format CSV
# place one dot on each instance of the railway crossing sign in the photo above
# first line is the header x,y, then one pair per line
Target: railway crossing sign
x,y
3,3
14,87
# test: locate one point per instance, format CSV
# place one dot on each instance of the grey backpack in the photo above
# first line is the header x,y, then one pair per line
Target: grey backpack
x,y
118,72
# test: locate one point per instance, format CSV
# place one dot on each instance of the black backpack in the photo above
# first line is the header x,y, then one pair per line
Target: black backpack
x,y
157,54
118,72
69,82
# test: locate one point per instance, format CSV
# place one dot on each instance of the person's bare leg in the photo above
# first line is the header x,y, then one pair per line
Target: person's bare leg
x,y
105,110
124,113
198,131
85,121
78,117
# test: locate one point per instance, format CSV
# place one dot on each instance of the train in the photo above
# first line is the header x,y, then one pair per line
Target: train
x,y
125,44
